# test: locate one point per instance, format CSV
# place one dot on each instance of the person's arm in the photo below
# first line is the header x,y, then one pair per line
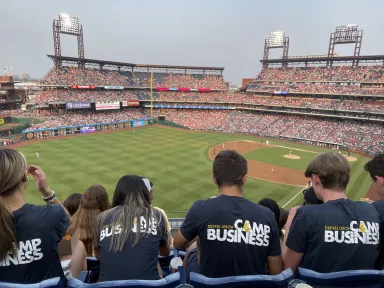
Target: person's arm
x,y
188,230
295,240
42,185
274,261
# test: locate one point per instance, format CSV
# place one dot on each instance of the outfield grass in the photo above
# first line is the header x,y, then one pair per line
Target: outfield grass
x,y
176,161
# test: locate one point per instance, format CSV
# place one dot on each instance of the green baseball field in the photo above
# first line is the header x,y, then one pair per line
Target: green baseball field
x,y
179,164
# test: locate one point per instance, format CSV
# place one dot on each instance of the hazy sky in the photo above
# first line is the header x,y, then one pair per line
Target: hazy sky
x,y
220,33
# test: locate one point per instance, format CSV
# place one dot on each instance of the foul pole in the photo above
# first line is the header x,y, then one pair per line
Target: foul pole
x,y
151,95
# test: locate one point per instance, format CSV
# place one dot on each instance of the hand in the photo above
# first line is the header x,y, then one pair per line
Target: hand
x,y
40,180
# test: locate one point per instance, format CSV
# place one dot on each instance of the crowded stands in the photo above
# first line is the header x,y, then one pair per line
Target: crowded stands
x,y
59,118
77,76
336,73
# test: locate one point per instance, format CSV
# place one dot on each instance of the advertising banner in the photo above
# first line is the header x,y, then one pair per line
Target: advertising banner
x,y
184,89
204,90
162,88
78,105
107,105
114,87
1,121
83,87
132,103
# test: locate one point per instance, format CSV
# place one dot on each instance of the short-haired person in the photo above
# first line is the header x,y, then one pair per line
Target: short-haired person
x,y
72,202
375,168
337,235
93,203
29,234
130,235
237,236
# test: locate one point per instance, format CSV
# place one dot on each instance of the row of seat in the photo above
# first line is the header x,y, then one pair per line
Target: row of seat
x,y
358,278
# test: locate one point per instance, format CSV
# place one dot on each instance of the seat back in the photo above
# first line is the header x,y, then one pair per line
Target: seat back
x,y
354,278
170,281
93,266
281,280
50,283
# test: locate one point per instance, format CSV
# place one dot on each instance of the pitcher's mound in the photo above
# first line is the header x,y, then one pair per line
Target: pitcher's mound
x,y
295,157
351,159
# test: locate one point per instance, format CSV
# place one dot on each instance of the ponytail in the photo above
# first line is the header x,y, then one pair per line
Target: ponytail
x,y
7,231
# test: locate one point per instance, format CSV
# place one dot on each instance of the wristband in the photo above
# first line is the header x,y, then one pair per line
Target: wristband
x,y
52,200
50,197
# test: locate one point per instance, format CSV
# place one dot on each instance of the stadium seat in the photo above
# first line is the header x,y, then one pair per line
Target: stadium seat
x,y
50,283
281,280
94,270
170,281
355,278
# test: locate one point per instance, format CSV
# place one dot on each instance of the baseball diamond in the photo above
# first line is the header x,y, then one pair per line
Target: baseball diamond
x,y
178,163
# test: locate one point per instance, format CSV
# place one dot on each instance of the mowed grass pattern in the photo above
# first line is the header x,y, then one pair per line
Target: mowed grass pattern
x,y
175,160
275,156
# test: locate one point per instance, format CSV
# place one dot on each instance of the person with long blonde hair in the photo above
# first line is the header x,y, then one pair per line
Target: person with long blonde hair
x,y
29,234
94,202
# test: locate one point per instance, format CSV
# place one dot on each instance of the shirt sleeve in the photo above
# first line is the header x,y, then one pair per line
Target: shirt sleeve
x,y
189,228
59,220
298,233
163,229
165,218
96,233
274,241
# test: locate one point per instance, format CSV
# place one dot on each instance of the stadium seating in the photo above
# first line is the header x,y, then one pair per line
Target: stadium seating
x,y
50,283
281,280
357,278
170,281
87,76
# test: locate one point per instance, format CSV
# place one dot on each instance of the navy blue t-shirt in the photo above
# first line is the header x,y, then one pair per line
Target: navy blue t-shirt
x,y
236,235
379,205
39,229
335,236
133,262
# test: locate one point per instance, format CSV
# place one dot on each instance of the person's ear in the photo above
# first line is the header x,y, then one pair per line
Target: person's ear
x,y
315,181
25,177
380,180
214,180
244,179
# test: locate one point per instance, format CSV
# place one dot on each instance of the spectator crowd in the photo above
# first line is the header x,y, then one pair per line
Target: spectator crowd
x,y
87,76
58,118
355,135
336,73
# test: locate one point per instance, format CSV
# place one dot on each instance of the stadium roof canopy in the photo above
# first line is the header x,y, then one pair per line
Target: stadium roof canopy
x,y
142,67
320,60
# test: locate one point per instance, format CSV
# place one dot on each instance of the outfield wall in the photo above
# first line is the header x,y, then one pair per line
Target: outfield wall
x,y
86,128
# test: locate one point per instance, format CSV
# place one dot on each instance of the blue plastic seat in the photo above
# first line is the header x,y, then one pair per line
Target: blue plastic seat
x,y
354,278
170,281
281,280
50,283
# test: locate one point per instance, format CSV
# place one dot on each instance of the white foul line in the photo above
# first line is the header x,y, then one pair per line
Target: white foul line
x,y
293,197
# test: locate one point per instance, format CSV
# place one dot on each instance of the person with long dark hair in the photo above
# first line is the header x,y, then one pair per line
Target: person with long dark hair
x,y
29,234
130,235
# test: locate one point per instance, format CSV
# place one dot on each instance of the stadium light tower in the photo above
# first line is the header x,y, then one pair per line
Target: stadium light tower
x,y
345,34
276,40
70,26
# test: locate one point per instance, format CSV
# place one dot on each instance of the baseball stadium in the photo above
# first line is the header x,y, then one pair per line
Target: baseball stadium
x,y
90,121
